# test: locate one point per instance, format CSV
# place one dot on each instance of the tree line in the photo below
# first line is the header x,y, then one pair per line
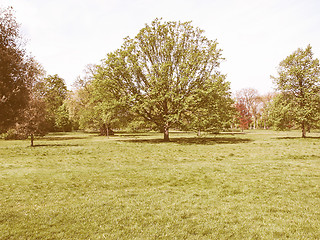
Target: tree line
x,y
166,77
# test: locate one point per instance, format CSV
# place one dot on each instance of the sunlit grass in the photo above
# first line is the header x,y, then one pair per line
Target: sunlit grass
x,y
258,185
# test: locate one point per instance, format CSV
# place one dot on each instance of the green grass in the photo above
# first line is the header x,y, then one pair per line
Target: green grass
x,y
258,185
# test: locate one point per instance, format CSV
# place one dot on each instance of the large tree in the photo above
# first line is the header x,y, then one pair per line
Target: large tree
x,y
16,70
159,71
299,83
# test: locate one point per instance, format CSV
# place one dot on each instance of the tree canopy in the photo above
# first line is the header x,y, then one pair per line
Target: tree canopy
x,y
299,84
17,70
165,74
54,91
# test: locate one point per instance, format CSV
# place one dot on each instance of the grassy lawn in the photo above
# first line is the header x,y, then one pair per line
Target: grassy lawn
x,y
258,185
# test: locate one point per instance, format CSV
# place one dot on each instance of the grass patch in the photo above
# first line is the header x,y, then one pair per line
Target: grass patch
x,y
258,185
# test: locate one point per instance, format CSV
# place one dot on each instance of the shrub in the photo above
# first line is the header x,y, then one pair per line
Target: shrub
x,y
13,134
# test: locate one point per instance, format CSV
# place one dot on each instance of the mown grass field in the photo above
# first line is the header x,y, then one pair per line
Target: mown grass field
x,y
258,185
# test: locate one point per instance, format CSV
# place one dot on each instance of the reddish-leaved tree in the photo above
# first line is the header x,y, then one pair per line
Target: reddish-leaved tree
x,y
243,115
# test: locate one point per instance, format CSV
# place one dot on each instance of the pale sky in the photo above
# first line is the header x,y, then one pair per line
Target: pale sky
x,y
255,35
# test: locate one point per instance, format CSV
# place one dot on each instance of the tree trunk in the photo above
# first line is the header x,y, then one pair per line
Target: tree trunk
x,y
32,139
166,133
105,130
308,129
303,129
199,132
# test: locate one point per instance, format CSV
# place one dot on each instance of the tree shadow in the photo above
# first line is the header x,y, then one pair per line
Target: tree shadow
x,y
193,141
55,145
295,138
60,138
132,135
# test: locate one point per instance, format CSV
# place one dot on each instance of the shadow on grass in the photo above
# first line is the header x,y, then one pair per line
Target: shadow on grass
x,y
60,138
295,138
132,135
195,140
55,145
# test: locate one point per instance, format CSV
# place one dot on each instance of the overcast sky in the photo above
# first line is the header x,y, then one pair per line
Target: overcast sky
x,y
255,35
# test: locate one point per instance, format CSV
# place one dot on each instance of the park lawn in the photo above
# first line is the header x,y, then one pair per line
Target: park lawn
x,y
258,185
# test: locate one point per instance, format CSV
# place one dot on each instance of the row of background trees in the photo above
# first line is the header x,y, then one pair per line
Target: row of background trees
x,y
165,77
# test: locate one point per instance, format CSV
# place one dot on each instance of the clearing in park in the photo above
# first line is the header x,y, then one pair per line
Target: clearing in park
x,y
257,185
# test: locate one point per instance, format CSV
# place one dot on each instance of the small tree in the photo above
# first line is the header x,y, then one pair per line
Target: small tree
x,y
33,121
251,99
243,116
299,83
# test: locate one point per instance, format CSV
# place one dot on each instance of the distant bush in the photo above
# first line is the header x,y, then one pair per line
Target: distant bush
x,y
13,134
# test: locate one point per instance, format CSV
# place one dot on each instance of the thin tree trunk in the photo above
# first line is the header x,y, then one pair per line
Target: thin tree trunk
x,y
303,129
166,133
199,132
32,139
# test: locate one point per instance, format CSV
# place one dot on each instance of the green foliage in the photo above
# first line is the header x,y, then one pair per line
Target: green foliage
x,y
158,74
210,108
140,125
62,119
54,91
280,113
108,108
79,107
93,106
266,102
299,82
